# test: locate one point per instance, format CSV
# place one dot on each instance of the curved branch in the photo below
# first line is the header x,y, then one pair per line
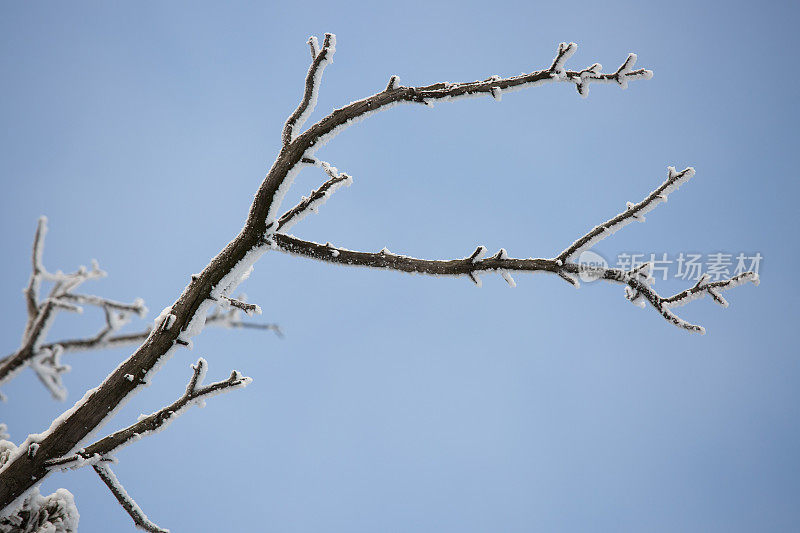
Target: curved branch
x,y
320,60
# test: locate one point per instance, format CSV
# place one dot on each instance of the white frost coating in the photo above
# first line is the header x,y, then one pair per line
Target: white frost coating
x,y
478,254
7,450
714,288
323,139
55,513
313,206
71,411
317,78
48,368
126,501
634,211
587,74
201,369
32,449
625,69
169,321
502,254
129,377
314,43
565,51
161,320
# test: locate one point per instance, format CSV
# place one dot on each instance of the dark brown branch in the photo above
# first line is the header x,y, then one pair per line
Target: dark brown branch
x,y
225,270
316,198
195,394
320,60
127,503
633,212
472,265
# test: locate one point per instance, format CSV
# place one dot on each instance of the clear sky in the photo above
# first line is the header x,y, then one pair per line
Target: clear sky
x,y
404,403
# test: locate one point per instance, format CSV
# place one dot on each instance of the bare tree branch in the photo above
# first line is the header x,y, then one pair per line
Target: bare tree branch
x,y
195,394
633,212
187,315
501,264
131,507
317,197
320,60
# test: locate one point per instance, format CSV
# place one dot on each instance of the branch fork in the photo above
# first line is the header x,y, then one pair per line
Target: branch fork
x,y
20,474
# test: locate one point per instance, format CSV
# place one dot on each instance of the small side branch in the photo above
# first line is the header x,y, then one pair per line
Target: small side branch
x,y
131,507
249,309
312,203
633,212
321,59
37,269
195,394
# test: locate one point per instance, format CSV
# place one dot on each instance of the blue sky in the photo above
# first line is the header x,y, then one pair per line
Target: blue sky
x,y
404,403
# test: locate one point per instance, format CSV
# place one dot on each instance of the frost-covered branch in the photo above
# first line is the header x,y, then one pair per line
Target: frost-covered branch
x,y
230,319
187,316
195,394
474,265
312,203
55,513
99,454
633,212
44,359
131,507
320,59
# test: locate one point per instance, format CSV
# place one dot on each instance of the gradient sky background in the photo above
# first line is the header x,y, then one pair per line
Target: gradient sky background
x,y
404,403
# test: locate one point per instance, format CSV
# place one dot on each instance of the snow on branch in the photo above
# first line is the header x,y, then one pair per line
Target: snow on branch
x,y
312,203
249,309
131,507
55,513
637,286
320,60
633,212
44,359
195,394
231,265
229,319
